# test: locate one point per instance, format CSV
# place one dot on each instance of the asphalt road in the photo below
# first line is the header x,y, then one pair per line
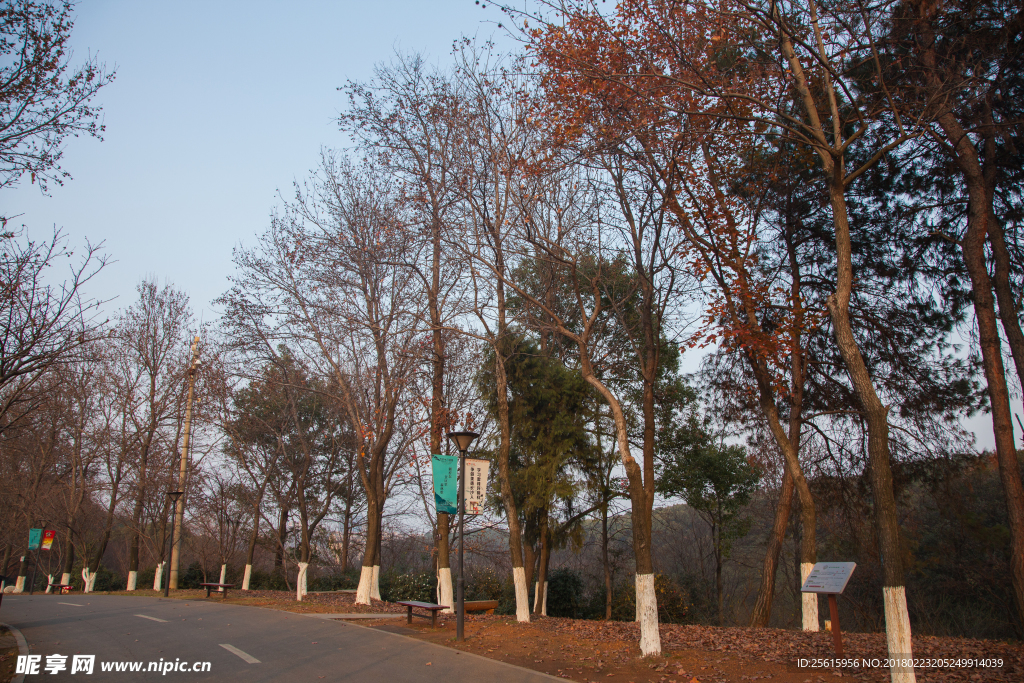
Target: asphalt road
x,y
243,644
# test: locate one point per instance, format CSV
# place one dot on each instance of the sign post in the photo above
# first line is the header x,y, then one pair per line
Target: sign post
x,y
445,471
831,578
35,537
476,485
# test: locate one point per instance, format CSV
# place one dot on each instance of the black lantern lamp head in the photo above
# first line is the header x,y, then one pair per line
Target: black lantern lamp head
x,y
175,495
462,440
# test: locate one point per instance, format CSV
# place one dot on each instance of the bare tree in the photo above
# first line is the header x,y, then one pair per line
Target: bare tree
x,y
43,323
43,100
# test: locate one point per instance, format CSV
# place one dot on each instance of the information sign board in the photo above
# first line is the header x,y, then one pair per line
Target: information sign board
x,y
48,537
828,577
476,485
34,537
446,492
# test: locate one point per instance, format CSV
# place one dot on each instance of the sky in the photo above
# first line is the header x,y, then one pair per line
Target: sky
x,y
217,107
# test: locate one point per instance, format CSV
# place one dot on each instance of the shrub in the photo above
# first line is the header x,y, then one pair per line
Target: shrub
x,y
485,584
192,577
145,579
107,580
346,580
267,581
395,586
565,594
673,601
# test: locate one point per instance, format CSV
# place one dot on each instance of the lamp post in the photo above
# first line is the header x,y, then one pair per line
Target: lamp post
x,y
462,440
174,496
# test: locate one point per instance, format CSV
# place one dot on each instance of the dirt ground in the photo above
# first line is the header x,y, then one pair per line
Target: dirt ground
x,y
608,652
8,654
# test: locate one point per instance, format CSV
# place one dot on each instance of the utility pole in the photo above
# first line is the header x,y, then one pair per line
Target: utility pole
x,y
179,505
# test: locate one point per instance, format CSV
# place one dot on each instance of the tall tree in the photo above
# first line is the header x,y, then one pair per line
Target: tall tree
x,y
411,116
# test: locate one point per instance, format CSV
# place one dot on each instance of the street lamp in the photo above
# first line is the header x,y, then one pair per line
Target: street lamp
x,y
174,496
462,441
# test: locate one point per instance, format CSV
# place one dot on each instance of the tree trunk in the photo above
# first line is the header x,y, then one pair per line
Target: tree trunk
x,y
539,603
897,619
766,594
369,552
605,563
69,559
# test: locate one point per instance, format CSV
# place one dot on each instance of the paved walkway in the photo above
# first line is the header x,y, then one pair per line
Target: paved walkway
x,y
243,644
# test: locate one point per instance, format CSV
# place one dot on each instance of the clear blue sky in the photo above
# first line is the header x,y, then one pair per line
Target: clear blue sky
x,y
217,105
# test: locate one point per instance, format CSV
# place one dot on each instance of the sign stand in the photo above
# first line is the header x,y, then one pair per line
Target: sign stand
x,y
830,578
837,636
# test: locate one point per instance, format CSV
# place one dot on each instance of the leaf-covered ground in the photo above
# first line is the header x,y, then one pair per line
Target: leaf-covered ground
x,y
581,650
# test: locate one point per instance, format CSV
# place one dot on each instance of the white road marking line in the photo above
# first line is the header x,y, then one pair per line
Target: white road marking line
x,y
235,651
146,616
73,604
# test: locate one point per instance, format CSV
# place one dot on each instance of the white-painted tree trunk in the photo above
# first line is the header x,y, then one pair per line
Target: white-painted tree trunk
x,y
19,585
445,595
810,600
92,581
538,600
223,575
544,602
248,575
133,580
897,633
375,583
158,577
85,579
363,590
49,583
300,582
647,604
65,578
522,595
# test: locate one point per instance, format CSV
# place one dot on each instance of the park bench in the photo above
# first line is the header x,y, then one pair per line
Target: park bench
x,y
221,587
60,588
486,606
431,607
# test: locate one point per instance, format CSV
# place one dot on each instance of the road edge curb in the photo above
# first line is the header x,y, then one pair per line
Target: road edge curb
x,y
22,648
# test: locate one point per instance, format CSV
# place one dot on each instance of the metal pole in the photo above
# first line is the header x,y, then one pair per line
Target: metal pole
x,y
165,575
167,583
32,580
461,617
179,507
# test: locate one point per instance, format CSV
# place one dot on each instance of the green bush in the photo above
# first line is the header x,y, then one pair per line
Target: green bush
x,y
565,594
484,584
192,577
267,581
107,580
145,579
346,580
395,586
673,601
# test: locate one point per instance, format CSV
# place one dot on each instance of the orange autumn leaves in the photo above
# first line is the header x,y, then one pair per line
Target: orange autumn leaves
x,y
647,82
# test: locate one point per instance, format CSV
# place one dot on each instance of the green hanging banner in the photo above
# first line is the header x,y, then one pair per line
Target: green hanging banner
x,y
445,470
35,536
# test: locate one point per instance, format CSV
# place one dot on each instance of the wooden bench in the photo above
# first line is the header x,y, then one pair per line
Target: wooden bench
x,y
221,587
431,607
61,588
486,606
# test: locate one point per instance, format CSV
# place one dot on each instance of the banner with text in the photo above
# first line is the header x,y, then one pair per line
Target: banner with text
x,y
476,485
34,537
48,537
446,492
